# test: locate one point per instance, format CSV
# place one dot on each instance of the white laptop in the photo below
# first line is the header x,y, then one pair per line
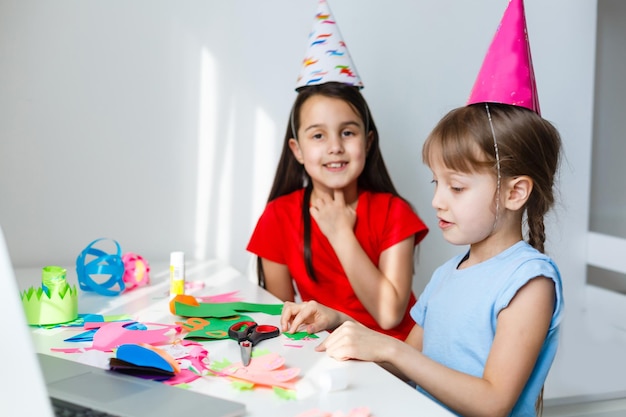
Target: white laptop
x,y
33,381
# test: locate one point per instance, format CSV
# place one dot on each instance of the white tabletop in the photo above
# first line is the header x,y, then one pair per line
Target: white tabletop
x,y
368,385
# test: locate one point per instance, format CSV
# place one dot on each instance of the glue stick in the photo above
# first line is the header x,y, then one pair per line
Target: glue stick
x,y
177,274
334,379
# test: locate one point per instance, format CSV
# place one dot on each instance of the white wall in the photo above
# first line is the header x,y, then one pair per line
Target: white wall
x,y
159,123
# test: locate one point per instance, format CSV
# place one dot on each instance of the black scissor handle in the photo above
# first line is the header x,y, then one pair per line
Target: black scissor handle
x,y
251,331
262,332
240,331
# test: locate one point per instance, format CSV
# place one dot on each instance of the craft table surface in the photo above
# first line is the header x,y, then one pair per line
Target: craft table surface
x,y
368,384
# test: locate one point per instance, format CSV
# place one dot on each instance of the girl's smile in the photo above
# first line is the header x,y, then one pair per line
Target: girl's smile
x,y
331,144
336,166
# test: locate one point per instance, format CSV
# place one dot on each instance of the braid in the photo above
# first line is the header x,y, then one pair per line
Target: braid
x,y
536,228
539,203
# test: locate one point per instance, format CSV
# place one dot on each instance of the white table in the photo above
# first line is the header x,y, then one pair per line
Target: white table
x,y
368,384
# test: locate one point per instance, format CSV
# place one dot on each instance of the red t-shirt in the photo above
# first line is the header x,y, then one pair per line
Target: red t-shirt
x,y
382,220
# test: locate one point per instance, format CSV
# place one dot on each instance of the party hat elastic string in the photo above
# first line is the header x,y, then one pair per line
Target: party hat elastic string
x,y
497,152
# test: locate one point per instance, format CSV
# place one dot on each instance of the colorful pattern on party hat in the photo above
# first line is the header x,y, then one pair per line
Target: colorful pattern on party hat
x,y
507,74
327,58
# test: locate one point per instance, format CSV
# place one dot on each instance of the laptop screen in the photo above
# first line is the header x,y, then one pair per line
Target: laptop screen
x,y
24,393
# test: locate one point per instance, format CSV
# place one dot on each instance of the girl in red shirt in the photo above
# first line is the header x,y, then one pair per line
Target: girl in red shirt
x,y
335,229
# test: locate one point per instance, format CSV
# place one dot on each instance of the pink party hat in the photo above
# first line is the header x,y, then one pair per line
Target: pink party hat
x,y
507,74
327,57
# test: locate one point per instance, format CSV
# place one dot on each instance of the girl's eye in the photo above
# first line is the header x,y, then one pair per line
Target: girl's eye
x,y
456,189
348,133
317,136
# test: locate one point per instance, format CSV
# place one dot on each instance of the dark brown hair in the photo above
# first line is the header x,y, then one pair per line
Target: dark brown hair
x,y
527,145
291,175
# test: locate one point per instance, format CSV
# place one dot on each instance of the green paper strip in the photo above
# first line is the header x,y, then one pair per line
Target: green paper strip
x,y
301,335
218,366
225,309
242,385
285,394
256,352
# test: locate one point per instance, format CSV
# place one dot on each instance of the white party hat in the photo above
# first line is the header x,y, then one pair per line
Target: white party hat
x,y
327,57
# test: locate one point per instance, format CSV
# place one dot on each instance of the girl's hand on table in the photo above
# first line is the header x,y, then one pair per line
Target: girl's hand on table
x,y
310,316
352,340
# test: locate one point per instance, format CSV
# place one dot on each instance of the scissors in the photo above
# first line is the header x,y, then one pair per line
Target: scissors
x,y
248,334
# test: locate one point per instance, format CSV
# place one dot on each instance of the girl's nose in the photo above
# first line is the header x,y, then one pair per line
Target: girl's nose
x,y
437,200
335,144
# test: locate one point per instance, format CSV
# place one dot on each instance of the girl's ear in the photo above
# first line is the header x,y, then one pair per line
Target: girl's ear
x,y
295,149
518,191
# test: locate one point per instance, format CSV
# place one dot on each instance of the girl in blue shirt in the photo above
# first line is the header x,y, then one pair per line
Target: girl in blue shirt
x,y
486,325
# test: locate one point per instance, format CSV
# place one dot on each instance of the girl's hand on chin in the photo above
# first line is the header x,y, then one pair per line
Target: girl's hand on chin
x,y
333,215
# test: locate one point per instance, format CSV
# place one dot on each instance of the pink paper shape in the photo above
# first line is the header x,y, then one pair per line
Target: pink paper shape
x,y
197,356
71,350
228,297
265,370
185,376
113,334
90,325
194,285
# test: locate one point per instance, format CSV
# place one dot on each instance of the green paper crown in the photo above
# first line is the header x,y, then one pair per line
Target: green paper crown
x,y
59,306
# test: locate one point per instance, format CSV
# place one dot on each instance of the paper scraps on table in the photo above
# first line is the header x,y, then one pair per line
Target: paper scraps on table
x,y
194,285
187,306
191,362
355,412
192,358
301,336
106,336
91,318
177,363
145,361
71,350
265,370
114,334
285,394
227,297
92,329
214,328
